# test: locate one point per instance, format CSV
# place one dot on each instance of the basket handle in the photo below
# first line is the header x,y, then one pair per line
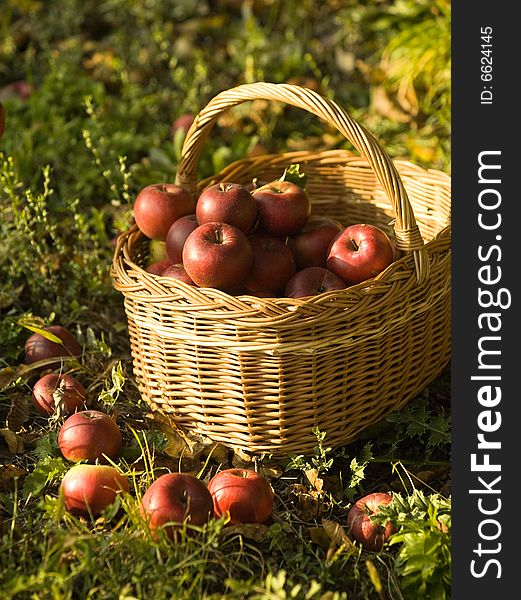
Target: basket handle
x,y
407,234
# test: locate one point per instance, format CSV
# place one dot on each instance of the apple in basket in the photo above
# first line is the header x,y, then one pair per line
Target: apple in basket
x,y
89,489
174,499
217,255
312,281
283,206
311,244
227,202
273,264
53,386
89,435
158,205
360,252
177,234
157,268
38,347
177,272
371,535
243,494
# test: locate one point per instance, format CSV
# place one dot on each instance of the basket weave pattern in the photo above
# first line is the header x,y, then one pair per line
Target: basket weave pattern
x,y
259,374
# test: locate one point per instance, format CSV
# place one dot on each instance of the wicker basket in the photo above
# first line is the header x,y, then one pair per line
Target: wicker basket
x,y
259,374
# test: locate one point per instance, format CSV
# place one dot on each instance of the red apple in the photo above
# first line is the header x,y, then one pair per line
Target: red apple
x,y
176,498
273,264
371,535
177,272
243,494
312,281
37,347
217,255
89,435
359,253
158,205
48,387
310,245
182,123
177,234
157,268
228,203
283,207
89,489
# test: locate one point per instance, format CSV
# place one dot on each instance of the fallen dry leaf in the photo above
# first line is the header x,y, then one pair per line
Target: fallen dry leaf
x,y
253,531
8,475
14,442
319,537
19,411
340,541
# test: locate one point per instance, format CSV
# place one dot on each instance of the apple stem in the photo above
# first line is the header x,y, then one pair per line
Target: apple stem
x,y
354,244
218,236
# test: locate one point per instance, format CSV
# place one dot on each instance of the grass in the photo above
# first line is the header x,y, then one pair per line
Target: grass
x,y
103,83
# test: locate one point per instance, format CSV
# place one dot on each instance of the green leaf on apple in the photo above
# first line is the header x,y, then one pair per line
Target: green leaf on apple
x,y
46,334
293,174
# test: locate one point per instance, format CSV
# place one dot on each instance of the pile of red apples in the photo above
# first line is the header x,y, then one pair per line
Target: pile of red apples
x,y
258,239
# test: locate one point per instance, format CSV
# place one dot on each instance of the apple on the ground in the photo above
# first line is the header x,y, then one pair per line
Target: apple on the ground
x,y
312,281
177,234
37,347
217,255
371,535
62,387
89,435
227,202
360,252
283,207
273,264
174,499
244,495
158,205
89,489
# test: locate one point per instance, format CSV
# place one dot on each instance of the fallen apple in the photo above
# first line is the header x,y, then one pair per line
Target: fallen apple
x,y
37,347
177,234
68,390
310,245
273,264
227,202
242,494
174,499
158,205
89,489
360,252
371,535
217,255
89,435
283,207
312,281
